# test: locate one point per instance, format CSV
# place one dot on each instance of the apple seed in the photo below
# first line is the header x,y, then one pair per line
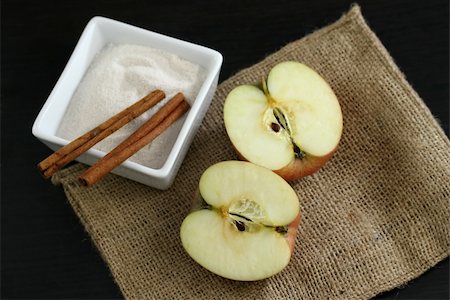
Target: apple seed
x,y
239,225
245,215
281,119
275,127
247,224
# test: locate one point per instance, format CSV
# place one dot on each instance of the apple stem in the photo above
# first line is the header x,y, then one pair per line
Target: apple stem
x,y
281,229
264,87
266,92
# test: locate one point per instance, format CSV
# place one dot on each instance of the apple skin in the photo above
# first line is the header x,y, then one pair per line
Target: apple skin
x,y
292,232
298,168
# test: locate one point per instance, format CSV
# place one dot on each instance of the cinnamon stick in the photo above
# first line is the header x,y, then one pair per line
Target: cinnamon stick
x,y
71,151
163,119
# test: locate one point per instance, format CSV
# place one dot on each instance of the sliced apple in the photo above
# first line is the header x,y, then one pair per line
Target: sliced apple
x,y
291,124
244,224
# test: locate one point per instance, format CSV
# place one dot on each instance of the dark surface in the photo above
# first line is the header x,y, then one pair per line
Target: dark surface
x,y
45,252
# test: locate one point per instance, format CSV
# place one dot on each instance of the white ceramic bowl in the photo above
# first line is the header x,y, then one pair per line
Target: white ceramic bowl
x,y
98,33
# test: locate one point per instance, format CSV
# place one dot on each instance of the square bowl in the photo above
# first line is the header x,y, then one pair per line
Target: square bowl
x,y
98,33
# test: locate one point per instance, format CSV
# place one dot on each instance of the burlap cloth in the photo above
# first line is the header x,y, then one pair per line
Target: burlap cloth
x,y
375,217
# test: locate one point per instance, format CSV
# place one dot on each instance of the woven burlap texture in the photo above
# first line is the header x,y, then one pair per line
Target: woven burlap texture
x,y
375,217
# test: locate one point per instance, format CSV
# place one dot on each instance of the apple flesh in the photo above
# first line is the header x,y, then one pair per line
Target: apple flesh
x,y
290,124
244,224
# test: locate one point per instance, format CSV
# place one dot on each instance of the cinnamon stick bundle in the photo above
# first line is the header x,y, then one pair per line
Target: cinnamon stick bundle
x,y
159,122
71,151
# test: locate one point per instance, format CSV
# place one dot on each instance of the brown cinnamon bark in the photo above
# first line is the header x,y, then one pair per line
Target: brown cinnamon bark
x,y
71,151
163,119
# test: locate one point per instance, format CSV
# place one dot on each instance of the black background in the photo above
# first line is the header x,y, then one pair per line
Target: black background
x,y
45,252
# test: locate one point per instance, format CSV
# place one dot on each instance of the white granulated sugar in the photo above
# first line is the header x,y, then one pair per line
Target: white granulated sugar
x,y
119,76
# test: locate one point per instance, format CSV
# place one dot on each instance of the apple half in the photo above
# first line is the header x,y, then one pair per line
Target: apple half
x,y
291,124
244,223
